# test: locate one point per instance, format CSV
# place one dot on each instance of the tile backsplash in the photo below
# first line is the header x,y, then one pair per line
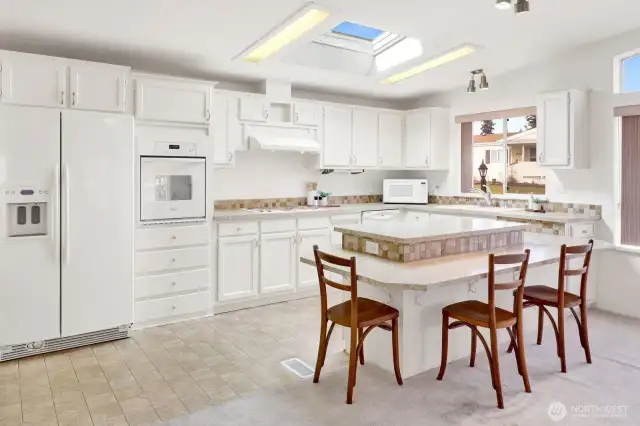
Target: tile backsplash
x,y
293,201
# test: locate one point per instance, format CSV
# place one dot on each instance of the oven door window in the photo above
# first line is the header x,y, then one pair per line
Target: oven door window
x,y
174,188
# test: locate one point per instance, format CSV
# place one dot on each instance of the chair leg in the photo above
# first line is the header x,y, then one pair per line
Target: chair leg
x,y
353,365
474,346
513,346
561,345
496,368
540,325
361,347
322,350
396,350
445,344
522,361
585,332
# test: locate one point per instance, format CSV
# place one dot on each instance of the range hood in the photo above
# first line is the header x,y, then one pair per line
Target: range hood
x,y
282,138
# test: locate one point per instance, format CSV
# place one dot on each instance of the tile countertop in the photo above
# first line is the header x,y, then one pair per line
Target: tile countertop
x,y
422,274
438,227
460,210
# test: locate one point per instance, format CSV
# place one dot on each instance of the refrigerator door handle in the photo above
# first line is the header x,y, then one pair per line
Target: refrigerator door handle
x,y
55,214
67,215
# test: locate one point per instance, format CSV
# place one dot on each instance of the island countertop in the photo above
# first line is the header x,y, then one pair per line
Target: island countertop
x,y
419,275
438,227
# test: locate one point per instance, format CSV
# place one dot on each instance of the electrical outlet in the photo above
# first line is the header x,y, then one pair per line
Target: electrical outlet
x,y
371,247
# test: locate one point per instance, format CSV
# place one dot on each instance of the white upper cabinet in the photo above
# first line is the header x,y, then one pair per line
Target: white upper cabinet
x,y
306,114
98,87
173,100
390,140
33,80
562,130
254,109
427,139
337,136
277,262
226,131
365,138
417,139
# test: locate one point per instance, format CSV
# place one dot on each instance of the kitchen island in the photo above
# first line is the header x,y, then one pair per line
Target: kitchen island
x,y
420,289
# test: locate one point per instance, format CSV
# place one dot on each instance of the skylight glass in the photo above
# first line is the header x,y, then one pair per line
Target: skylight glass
x,y
358,31
402,51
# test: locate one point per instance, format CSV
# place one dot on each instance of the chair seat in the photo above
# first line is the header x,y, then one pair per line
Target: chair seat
x,y
370,312
477,313
543,295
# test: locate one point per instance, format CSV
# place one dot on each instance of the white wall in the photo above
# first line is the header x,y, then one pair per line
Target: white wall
x,y
260,174
588,68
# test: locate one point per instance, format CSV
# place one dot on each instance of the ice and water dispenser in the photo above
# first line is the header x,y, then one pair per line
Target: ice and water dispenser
x,y
27,212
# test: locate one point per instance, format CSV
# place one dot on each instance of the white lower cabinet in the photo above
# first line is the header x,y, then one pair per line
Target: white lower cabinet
x,y
308,275
277,262
238,263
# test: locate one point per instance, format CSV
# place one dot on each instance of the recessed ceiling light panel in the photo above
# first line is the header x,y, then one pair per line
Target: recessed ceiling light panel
x,y
431,63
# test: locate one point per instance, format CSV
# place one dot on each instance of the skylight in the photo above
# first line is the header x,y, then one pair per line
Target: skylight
x,y
362,32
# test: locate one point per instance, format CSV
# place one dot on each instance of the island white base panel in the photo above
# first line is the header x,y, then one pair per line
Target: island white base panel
x,y
420,323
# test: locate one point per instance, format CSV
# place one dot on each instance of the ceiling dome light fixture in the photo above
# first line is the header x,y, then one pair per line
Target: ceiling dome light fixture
x,y
521,6
503,4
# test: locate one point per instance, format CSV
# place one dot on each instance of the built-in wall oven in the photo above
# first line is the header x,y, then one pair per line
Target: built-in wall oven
x,y
172,182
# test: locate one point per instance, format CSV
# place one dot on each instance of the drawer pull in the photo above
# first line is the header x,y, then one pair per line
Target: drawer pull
x,y
173,307
584,231
173,259
173,237
173,283
238,229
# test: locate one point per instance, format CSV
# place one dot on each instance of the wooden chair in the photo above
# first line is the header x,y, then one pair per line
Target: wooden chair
x,y
359,314
543,296
474,314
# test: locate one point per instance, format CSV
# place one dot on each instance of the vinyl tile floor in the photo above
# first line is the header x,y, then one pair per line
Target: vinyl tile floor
x,y
165,372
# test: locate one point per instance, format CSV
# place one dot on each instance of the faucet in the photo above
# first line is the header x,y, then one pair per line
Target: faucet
x,y
486,195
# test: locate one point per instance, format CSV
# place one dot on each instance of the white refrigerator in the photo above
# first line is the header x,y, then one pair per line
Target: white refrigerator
x,y
66,226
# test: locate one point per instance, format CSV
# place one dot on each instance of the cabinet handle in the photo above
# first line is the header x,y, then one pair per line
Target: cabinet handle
x,y
299,239
296,117
355,160
173,237
257,243
230,156
173,307
173,283
540,157
173,259
426,160
380,160
265,113
73,98
294,239
62,97
208,115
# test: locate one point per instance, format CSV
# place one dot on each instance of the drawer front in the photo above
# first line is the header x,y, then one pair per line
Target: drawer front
x,y
158,285
171,306
280,225
582,230
178,236
166,260
313,223
237,228
344,219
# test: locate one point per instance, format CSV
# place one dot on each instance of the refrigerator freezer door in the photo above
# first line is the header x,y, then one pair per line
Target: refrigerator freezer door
x,y
29,224
98,220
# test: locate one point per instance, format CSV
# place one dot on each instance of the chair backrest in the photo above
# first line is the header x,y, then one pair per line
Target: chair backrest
x,y
574,251
321,259
507,259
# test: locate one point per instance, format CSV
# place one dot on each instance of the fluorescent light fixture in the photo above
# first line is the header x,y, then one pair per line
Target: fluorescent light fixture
x,y
290,33
431,63
503,4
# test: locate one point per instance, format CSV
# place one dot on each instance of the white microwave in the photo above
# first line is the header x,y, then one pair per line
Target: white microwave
x,y
405,191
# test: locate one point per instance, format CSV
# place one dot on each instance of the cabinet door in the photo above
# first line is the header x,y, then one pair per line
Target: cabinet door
x,y
277,262
439,137
306,114
173,101
98,87
237,267
254,109
222,152
390,140
33,80
337,136
418,139
365,138
307,274
554,121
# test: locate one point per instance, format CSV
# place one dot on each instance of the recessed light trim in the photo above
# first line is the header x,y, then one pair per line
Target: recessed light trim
x,y
289,33
431,63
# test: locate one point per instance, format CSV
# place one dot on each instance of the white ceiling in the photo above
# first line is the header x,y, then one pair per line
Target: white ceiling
x,y
200,38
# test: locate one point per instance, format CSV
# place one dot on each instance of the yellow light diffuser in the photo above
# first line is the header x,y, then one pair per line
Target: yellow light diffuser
x,y
288,34
430,64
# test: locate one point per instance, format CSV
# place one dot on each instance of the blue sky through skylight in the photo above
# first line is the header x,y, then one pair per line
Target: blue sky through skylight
x,y
356,30
631,74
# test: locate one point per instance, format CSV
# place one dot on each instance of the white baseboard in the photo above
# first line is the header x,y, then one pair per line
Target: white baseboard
x,y
264,300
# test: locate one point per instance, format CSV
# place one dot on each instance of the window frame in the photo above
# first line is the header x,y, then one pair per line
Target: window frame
x,y
618,70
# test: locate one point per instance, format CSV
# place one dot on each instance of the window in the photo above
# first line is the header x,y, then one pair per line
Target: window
x,y
507,147
630,78
352,29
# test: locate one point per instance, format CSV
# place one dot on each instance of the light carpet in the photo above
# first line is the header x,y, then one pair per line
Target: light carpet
x,y
605,392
